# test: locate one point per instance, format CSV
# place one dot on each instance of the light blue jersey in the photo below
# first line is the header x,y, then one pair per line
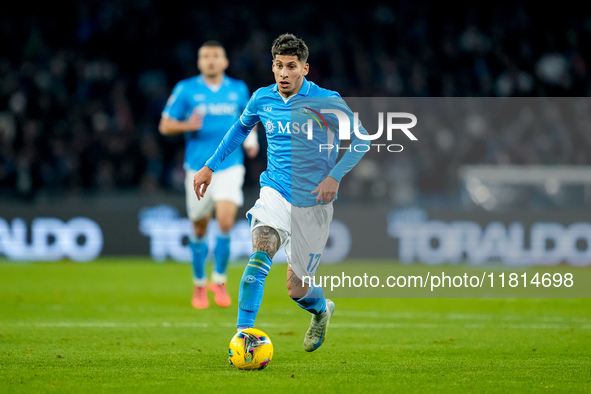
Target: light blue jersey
x,y
220,109
295,163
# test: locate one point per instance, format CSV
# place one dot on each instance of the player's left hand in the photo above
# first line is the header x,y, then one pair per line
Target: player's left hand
x,y
327,190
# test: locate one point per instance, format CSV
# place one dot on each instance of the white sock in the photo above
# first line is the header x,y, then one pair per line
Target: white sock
x,y
218,279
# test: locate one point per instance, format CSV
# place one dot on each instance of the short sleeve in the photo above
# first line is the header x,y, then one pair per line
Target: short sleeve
x,y
176,106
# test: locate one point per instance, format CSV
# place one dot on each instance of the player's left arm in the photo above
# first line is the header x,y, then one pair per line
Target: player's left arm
x,y
174,119
328,188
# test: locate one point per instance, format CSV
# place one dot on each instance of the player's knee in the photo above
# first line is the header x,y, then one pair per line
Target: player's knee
x,y
200,227
225,224
200,232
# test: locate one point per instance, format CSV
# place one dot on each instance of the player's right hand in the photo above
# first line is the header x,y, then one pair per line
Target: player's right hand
x,y
201,181
195,122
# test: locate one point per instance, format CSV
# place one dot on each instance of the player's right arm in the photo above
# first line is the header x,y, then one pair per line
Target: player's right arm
x,y
201,181
169,126
173,120
232,140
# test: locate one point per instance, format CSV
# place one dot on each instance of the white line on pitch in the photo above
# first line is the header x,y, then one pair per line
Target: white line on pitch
x,y
464,316
525,326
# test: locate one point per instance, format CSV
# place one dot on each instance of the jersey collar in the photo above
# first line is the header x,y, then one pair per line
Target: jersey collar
x,y
201,81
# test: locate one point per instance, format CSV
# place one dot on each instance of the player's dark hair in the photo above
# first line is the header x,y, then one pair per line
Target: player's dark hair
x,y
212,43
290,45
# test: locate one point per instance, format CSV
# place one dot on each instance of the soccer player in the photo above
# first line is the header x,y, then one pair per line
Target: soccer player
x,y
294,209
204,108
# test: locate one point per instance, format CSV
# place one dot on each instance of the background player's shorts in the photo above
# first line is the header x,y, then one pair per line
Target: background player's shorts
x,y
303,230
226,185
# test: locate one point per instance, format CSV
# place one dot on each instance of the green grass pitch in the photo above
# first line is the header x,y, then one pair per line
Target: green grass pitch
x,y
127,326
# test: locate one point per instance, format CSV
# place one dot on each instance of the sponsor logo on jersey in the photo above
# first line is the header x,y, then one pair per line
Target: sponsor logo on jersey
x,y
217,109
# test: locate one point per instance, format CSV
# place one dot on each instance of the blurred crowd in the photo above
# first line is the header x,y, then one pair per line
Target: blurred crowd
x,y
82,86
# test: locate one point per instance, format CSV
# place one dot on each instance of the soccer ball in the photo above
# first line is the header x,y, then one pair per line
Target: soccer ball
x,y
250,349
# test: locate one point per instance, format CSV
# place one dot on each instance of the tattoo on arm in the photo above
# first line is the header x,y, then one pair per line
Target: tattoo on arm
x,y
266,239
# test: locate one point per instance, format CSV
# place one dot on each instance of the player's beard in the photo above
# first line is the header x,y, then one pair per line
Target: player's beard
x,y
213,75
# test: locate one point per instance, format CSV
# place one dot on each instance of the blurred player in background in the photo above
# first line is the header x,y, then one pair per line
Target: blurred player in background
x,y
294,212
204,108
